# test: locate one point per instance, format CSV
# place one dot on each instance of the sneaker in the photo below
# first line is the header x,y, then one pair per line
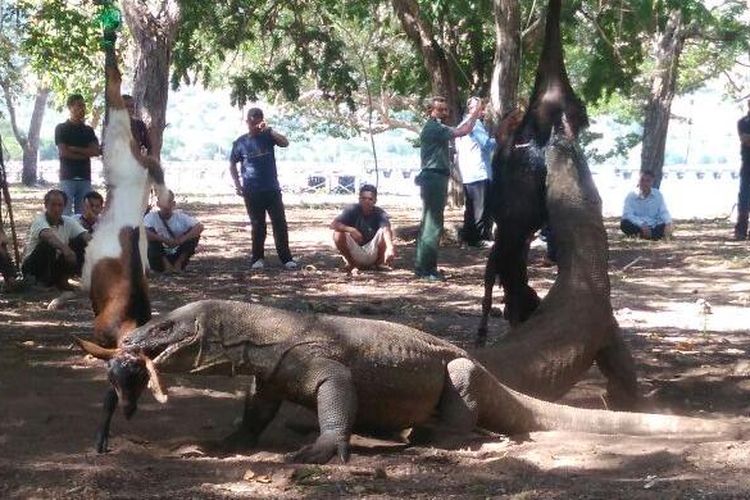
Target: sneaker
x,y
290,265
258,265
430,276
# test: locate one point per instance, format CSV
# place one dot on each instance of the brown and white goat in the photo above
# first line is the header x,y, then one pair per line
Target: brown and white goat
x,y
115,263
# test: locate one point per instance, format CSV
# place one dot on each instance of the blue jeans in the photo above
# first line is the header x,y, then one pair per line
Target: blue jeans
x,y
75,189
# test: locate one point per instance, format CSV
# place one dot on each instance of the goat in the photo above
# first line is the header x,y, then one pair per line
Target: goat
x,y
519,176
115,262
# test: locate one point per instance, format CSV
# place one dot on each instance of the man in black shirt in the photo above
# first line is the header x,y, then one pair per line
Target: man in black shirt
x,y
362,233
138,127
76,144
743,203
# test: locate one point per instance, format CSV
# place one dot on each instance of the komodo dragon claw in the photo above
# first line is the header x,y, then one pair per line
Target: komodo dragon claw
x,y
322,450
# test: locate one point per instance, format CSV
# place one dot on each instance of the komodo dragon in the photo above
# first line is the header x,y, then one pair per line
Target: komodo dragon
x,y
573,326
359,374
542,176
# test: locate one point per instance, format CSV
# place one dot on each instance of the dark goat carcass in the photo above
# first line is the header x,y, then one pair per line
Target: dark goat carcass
x,y
519,173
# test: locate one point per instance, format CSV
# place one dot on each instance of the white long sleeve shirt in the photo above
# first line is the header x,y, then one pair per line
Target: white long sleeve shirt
x,y
650,210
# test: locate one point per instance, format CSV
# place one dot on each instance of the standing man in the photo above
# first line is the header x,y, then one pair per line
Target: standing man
x,y
645,214
433,182
138,127
55,244
743,203
474,152
260,186
362,233
76,144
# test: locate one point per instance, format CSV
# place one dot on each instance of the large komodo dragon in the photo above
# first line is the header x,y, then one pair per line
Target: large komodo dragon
x,y
360,375
540,176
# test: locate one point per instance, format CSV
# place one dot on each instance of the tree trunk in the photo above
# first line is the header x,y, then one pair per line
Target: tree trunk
x,y
504,88
29,141
153,26
667,48
442,74
31,149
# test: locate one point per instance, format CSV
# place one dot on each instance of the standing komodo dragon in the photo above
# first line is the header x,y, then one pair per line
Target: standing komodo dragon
x,y
542,177
573,326
359,374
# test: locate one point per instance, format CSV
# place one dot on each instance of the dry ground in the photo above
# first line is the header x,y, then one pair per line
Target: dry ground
x,y
689,362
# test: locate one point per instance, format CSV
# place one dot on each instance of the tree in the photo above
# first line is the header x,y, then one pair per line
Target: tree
x,y
153,25
47,48
11,76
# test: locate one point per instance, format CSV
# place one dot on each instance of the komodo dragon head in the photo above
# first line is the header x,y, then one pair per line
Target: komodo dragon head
x,y
171,340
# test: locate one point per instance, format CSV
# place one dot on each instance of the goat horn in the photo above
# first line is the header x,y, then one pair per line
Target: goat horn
x,y
154,381
95,349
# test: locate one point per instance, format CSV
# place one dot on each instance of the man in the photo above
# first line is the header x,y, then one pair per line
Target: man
x,y
645,214
172,237
93,203
260,187
362,233
433,182
138,127
743,203
474,152
55,244
76,144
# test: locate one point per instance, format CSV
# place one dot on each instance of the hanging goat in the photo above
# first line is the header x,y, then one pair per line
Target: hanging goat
x,y
519,174
115,260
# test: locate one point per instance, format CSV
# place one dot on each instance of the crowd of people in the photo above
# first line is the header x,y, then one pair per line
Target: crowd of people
x,y
362,234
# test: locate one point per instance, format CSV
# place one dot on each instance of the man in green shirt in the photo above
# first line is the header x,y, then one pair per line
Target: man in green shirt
x,y
433,181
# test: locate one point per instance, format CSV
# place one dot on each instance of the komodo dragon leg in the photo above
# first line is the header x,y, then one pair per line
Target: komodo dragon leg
x,y
260,408
337,408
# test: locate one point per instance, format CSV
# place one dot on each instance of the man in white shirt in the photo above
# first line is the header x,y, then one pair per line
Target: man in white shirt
x,y
645,214
55,244
474,153
172,237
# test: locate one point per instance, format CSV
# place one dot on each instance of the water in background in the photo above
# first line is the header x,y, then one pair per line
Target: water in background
x,y
690,192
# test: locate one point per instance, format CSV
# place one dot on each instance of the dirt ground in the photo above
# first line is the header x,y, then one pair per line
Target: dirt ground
x,y
683,307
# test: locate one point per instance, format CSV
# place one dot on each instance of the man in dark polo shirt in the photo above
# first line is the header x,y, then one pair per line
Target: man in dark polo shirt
x,y
76,144
433,182
138,127
260,187
743,202
362,233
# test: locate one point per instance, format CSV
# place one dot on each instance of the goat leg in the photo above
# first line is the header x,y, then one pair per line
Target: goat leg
x,y
102,436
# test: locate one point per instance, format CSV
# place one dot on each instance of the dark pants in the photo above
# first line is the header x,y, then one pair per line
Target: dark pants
x,y
157,253
7,270
477,225
257,204
657,231
48,265
743,202
434,192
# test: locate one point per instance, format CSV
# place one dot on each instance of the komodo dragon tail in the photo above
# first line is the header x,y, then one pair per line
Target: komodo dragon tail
x,y
511,412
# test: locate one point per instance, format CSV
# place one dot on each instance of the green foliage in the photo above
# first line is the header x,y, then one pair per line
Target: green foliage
x,y
61,45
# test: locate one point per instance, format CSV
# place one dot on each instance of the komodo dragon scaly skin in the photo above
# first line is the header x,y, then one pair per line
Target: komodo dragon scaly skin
x,y
573,327
362,375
